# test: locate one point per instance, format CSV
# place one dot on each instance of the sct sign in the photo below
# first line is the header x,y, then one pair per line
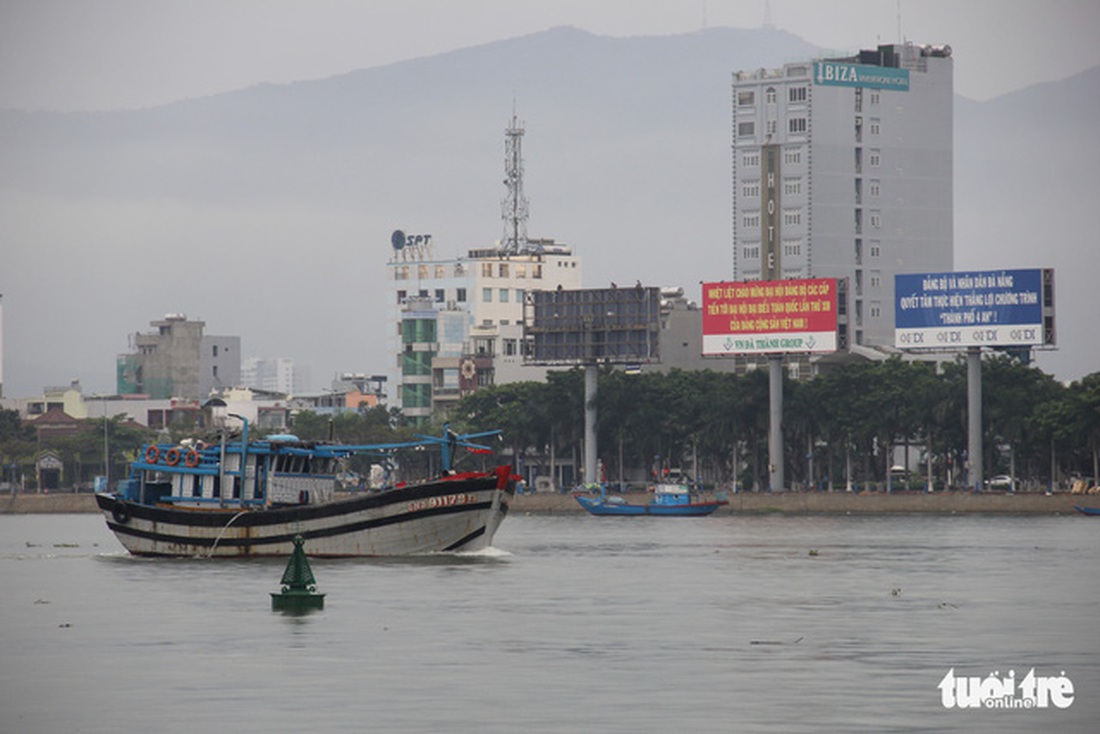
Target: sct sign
x,y
770,316
973,309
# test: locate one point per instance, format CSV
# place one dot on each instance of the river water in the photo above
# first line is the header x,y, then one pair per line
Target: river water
x,y
571,624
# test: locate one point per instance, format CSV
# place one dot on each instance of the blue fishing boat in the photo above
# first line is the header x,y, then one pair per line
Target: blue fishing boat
x,y
240,498
1087,510
670,498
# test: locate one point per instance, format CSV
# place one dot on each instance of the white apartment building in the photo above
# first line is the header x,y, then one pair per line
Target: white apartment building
x,y
458,322
842,168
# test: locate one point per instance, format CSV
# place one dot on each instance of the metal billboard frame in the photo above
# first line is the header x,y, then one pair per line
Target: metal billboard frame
x,y
592,326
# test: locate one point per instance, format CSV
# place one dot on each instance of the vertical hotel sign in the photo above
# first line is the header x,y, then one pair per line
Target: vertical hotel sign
x,y
762,317
769,219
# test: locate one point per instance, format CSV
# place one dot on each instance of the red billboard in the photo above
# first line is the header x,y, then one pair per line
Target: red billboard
x,y
770,316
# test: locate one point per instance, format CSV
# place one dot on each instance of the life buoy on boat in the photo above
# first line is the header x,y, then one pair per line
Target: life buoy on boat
x,y
192,459
152,454
121,513
172,456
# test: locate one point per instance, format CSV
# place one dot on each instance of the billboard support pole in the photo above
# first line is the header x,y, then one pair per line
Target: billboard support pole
x,y
775,423
590,476
974,415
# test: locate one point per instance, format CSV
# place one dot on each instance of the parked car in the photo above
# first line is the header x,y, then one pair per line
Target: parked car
x,y
1001,481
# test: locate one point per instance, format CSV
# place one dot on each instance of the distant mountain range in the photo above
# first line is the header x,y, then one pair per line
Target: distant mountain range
x,y
267,211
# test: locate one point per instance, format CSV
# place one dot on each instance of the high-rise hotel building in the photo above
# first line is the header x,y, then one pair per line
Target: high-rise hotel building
x,y
842,168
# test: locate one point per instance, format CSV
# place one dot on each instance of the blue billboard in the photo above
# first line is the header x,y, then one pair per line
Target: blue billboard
x,y
976,308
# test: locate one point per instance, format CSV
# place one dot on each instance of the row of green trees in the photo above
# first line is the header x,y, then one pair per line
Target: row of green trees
x,y
838,425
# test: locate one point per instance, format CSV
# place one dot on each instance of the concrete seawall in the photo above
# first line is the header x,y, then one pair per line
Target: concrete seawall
x,y
850,503
746,503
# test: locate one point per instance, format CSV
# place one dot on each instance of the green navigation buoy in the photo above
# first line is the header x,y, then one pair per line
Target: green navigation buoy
x,y
299,591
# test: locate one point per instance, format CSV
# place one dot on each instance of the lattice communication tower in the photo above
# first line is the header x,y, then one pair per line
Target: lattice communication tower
x,y
514,205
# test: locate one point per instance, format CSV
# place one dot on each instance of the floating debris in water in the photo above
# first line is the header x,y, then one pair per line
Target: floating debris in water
x,y
66,545
947,605
41,601
813,552
775,642
895,592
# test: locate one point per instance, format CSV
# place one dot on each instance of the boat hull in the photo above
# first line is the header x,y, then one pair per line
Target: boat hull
x,y
458,513
596,506
1087,510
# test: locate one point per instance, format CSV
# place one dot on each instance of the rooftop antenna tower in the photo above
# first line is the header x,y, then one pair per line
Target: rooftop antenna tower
x,y
768,15
514,206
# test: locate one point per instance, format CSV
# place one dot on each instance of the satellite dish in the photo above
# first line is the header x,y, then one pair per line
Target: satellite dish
x,y
397,239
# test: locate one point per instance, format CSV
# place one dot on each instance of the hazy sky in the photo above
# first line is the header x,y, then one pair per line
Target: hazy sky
x,y
110,54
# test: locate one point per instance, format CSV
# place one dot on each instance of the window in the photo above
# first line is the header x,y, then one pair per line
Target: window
x,y
771,127
401,296
503,270
796,125
536,271
796,94
792,157
422,272
876,126
792,186
875,279
746,129
792,216
751,220
744,99
509,347
750,159
521,270
750,189
504,295
875,158
439,295
875,249
215,354
792,248
401,273
875,188
486,270
770,95
752,253
486,295
875,310
460,295
876,220
440,271
876,97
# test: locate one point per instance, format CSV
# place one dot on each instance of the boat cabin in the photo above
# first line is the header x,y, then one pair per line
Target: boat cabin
x,y
269,473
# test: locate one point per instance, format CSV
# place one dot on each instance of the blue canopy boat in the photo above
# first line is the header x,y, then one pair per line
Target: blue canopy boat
x,y
241,498
670,498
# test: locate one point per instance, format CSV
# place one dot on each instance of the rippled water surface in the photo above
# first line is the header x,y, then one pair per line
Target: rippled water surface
x,y
572,624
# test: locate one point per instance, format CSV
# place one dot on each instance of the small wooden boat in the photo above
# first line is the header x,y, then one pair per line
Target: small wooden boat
x,y
1087,510
669,499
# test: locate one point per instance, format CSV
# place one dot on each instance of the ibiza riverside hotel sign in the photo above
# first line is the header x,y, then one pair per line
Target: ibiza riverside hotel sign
x,y
774,316
842,74
991,308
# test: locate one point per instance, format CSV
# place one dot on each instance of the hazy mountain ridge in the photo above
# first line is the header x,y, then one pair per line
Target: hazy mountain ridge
x,y
297,186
